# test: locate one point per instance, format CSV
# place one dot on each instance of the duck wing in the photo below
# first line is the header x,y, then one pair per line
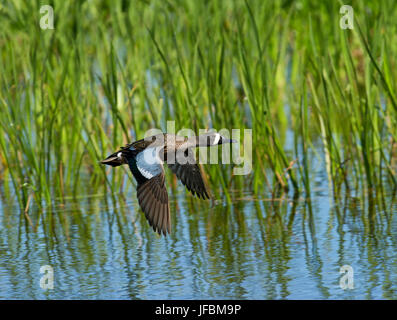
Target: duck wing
x,y
152,194
153,200
191,176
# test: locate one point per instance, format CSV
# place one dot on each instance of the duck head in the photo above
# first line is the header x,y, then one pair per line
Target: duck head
x,y
212,139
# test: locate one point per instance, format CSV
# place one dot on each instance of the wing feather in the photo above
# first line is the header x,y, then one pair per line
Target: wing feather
x,y
153,200
191,176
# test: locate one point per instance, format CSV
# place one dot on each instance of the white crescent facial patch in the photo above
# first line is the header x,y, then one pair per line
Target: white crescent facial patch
x,y
217,138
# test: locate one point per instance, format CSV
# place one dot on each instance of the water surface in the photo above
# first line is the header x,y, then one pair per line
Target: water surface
x,y
101,247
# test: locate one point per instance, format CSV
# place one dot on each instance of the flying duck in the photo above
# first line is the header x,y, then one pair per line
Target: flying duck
x,y
145,159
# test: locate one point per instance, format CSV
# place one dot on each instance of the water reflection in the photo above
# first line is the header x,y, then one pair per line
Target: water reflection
x,y
254,248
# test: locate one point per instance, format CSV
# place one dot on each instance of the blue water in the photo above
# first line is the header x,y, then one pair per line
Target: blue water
x,y
256,248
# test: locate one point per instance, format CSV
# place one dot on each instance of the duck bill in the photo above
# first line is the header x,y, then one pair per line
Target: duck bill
x,y
229,141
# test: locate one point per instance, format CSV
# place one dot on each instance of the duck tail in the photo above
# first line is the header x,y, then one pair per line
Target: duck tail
x,y
115,159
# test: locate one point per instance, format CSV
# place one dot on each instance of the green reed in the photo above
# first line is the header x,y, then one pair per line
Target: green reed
x,y
110,71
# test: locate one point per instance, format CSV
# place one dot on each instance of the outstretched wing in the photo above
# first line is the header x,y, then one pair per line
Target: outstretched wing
x,y
191,176
151,190
153,200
